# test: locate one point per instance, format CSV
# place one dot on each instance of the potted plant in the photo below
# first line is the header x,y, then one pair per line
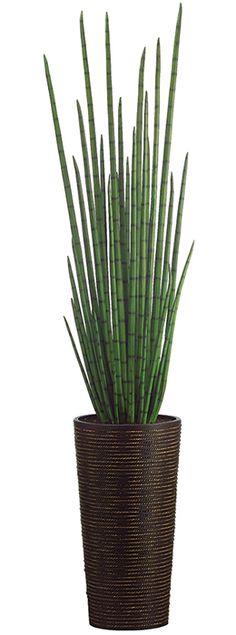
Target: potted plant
x,y
125,299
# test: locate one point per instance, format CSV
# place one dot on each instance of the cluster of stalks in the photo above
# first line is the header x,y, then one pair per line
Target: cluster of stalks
x,y
125,295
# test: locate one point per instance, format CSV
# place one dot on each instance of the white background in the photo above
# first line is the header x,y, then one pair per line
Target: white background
x,y
41,570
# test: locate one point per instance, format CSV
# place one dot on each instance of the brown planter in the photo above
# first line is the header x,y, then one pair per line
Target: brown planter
x,y
127,478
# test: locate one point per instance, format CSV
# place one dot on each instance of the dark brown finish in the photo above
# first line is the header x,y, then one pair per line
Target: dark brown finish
x,y
127,484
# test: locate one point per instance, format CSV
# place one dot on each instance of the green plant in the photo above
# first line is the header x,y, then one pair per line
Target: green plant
x,y
125,298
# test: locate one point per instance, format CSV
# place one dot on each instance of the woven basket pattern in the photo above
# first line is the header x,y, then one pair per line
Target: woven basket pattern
x,y
127,478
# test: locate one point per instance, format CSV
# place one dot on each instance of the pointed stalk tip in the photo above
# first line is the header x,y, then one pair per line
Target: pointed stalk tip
x,y
179,14
45,62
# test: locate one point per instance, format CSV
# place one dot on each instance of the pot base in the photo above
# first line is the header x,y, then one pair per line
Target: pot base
x,y
128,628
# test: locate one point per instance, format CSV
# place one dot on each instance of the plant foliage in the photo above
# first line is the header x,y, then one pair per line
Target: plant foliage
x,y
125,295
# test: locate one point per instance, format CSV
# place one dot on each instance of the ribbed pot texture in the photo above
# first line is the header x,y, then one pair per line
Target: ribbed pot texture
x,y
127,478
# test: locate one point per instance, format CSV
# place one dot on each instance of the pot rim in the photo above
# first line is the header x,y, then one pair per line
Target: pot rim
x,y
92,421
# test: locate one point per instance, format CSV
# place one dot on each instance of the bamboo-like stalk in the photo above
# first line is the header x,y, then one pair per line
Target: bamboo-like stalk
x,y
102,226
139,140
116,214
124,297
168,342
68,193
127,221
164,181
97,195
90,392
123,211
141,338
86,240
155,157
98,228
178,230
153,371
132,288
167,241
118,388
91,119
